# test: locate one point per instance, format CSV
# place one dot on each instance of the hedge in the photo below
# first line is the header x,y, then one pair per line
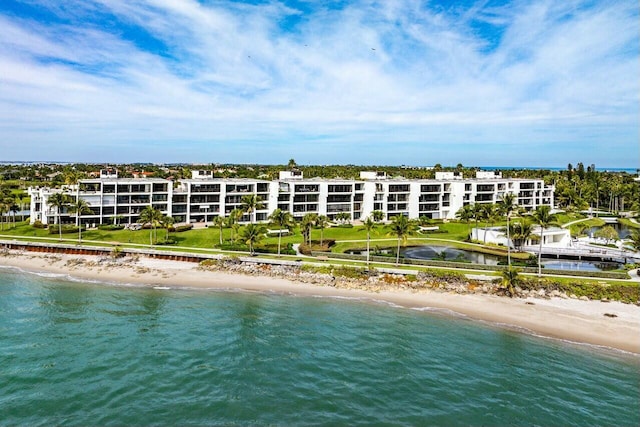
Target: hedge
x,y
66,229
110,227
180,228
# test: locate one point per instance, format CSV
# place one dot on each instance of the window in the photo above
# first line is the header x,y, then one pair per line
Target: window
x,y
399,188
430,188
340,188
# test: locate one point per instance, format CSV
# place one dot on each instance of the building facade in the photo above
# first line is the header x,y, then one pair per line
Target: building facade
x,y
203,198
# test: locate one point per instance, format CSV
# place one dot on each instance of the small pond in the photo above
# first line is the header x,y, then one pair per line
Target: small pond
x,y
447,253
569,264
623,230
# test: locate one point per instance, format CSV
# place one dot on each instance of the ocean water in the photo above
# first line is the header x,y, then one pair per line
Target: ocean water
x,y
75,353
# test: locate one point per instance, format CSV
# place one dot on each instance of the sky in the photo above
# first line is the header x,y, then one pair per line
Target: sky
x,y
388,82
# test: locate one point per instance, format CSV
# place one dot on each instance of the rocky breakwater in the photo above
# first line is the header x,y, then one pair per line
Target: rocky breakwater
x,y
345,277
355,278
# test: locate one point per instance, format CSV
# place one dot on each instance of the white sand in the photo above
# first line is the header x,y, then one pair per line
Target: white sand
x,y
573,320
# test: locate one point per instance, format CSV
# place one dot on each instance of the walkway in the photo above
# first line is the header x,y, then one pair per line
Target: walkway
x,y
586,251
568,224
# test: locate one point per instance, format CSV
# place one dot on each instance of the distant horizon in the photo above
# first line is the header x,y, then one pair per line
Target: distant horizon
x,y
484,167
495,82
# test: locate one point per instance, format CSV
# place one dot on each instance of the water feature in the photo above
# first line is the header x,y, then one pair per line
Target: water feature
x,y
447,253
577,265
623,230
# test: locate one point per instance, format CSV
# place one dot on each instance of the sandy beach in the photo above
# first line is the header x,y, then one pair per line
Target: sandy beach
x,y
609,324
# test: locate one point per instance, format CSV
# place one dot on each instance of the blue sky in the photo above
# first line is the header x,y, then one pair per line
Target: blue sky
x,y
526,83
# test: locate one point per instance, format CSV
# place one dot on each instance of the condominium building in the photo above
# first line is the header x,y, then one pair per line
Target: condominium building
x,y
203,197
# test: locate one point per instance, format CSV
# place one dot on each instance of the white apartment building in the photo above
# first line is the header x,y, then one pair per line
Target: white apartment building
x,y
203,197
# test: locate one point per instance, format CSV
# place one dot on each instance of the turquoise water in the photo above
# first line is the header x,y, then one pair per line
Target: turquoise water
x,y
76,353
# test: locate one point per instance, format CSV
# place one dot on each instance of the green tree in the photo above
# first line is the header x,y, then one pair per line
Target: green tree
x,y
343,217
219,222
282,219
322,222
250,204
79,207
507,206
544,218
59,201
402,228
510,279
635,240
377,216
520,231
608,233
232,222
151,216
252,234
167,222
305,227
466,214
369,225
3,208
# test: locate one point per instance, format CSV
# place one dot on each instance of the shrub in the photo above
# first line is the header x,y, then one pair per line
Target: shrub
x,y
116,252
110,227
39,224
66,229
181,228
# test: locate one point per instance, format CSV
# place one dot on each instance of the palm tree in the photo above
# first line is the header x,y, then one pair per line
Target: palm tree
x,y
343,217
377,216
3,209
12,207
402,228
219,222
252,234
544,218
167,222
466,214
71,176
510,279
321,222
79,207
284,220
59,201
232,222
369,225
477,210
487,214
635,240
305,226
508,205
151,216
520,232
250,204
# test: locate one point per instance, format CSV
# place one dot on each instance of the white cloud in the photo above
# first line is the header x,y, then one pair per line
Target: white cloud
x,y
394,71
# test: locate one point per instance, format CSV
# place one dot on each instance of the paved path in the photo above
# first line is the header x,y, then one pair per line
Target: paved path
x,y
574,222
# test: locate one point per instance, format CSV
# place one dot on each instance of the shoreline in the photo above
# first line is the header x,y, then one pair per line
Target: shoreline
x,y
569,320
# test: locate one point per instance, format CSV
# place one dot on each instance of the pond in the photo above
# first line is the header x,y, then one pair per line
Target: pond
x,y
623,230
447,253
569,264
